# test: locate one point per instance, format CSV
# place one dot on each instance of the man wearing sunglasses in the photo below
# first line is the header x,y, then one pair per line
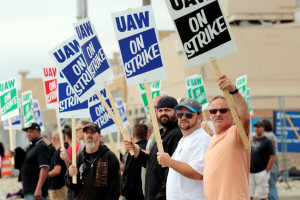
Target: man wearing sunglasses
x,y
227,162
185,178
156,176
97,169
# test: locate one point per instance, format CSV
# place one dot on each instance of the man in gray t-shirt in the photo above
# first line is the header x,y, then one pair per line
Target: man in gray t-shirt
x,y
273,194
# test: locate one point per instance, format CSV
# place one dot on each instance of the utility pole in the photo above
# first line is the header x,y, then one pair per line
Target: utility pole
x,y
146,2
81,9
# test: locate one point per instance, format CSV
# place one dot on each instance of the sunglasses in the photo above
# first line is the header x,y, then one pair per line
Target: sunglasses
x,y
221,110
188,115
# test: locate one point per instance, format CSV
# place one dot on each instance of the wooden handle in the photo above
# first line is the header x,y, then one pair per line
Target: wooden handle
x,y
74,178
114,118
231,106
11,140
153,118
61,138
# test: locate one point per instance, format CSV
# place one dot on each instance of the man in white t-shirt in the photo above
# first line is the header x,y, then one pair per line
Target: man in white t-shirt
x,y
185,178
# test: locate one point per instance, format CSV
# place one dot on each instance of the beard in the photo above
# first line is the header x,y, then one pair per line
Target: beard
x,y
188,125
168,121
90,144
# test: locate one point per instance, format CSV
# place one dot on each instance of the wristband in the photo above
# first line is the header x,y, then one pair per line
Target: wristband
x,y
234,91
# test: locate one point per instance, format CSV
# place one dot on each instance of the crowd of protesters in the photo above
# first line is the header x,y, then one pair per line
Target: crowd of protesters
x,y
194,165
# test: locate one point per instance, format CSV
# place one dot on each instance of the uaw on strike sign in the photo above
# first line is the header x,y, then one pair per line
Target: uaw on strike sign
x,y
92,51
139,46
50,86
100,116
70,61
8,99
202,28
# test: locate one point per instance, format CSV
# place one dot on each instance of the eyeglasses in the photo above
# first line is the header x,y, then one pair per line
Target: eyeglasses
x,y
221,110
188,115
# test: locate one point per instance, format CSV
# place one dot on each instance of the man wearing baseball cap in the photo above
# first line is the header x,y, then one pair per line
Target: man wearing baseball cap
x,y
36,164
156,175
185,178
98,170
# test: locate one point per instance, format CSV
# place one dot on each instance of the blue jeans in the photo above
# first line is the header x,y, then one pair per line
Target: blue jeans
x,y
31,197
273,194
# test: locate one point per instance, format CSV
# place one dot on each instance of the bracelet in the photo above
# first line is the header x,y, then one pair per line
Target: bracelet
x,y
234,91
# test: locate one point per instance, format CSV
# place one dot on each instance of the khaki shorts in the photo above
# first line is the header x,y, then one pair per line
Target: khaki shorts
x,y
59,194
260,180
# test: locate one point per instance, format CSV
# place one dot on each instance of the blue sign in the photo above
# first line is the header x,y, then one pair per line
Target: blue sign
x,y
92,51
37,113
140,53
139,46
63,122
121,109
100,116
15,121
71,63
69,105
292,141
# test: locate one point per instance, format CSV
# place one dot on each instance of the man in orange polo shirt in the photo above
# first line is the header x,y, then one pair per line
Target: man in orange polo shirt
x,y
227,162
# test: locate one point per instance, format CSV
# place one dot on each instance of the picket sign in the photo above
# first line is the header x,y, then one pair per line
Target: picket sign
x,y
234,114
11,140
249,102
205,36
92,51
50,86
140,53
61,138
74,178
153,118
117,120
9,105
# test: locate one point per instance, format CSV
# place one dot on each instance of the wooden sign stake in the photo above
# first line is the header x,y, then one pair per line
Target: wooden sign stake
x,y
74,178
153,118
114,118
234,114
11,140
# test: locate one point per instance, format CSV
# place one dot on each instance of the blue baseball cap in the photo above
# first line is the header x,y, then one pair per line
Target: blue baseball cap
x,y
191,104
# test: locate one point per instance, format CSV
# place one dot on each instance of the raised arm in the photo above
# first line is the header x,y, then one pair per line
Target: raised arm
x,y
241,105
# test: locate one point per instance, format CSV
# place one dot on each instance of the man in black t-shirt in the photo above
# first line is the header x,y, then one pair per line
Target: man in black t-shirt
x,y
262,159
36,164
58,168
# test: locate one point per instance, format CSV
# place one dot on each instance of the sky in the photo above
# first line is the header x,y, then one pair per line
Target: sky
x,y
30,29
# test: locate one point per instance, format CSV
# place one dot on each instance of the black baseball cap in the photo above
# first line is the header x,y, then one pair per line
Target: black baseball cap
x,y
167,102
32,125
92,126
191,104
259,124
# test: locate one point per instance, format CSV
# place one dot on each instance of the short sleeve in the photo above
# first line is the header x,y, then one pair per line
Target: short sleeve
x,y
43,155
270,147
69,150
57,159
198,150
